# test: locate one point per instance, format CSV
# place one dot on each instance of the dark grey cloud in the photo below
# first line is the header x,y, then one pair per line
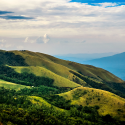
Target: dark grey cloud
x,y
5,12
16,17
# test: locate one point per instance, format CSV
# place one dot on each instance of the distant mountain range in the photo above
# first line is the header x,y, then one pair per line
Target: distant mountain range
x,y
81,57
115,64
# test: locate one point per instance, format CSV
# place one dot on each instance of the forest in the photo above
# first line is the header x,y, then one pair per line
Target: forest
x,y
15,108
8,74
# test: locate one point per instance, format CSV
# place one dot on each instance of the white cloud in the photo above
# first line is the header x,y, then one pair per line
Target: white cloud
x,y
26,40
61,18
58,17
63,21
107,4
43,39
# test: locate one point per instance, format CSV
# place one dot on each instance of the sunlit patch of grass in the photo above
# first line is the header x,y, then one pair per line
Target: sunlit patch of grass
x,y
40,71
10,85
40,101
108,102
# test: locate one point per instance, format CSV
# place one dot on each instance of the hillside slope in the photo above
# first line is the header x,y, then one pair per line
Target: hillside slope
x,y
108,103
64,73
40,71
61,67
40,88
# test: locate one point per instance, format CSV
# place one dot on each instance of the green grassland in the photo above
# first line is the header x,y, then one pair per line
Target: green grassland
x,y
40,101
109,103
62,67
40,71
10,85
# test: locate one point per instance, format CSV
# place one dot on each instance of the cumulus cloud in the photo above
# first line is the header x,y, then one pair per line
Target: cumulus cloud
x,y
26,40
43,39
29,40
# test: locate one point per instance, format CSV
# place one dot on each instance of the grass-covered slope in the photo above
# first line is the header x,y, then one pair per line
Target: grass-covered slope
x,y
10,85
108,103
64,73
61,67
59,81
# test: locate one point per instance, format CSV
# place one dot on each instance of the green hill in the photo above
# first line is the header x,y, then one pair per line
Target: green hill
x,y
37,88
62,71
40,71
61,67
108,103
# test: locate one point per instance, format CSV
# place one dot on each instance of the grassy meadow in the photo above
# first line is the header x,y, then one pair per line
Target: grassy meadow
x,y
9,85
108,102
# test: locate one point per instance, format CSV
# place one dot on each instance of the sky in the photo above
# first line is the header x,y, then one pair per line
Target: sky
x,y
63,26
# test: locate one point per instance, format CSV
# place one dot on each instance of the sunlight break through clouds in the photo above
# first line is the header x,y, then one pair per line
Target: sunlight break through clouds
x,y
100,25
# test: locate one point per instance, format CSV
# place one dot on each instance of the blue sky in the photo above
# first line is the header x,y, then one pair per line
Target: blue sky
x,y
62,26
122,2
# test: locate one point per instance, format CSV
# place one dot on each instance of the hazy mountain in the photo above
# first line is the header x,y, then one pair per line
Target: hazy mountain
x,y
81,57
114,64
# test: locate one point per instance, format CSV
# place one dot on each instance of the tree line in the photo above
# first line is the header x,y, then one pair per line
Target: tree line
x,y
8,74
17,109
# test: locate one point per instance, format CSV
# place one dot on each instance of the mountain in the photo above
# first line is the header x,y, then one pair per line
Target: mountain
x,y
114,64
81,57
63,73
37,88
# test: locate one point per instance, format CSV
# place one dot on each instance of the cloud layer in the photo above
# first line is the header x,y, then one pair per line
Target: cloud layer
x,y
65,22
4,12
15,17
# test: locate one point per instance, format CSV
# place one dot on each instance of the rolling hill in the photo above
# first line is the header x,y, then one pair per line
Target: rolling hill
x,y
108,103
39,88
62,67
64,73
